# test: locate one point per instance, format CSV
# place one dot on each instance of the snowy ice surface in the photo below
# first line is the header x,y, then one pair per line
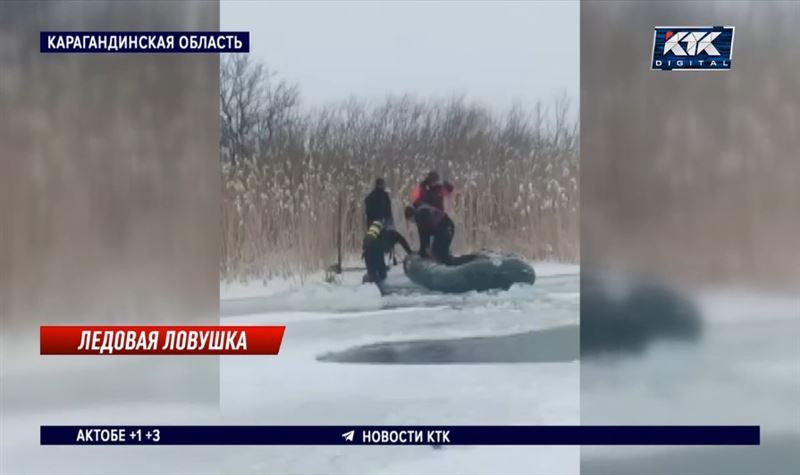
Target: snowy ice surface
x,y
296,388
262,288
745,370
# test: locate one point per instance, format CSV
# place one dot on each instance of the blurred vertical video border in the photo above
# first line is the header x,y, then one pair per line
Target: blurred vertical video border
x,y
109,180
690,311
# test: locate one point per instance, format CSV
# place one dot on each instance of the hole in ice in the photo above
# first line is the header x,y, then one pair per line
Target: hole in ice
x,y
558,344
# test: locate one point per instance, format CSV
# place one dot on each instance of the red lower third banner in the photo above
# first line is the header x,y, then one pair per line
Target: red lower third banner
x,y
160,340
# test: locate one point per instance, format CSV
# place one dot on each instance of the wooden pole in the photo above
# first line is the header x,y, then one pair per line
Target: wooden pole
x,y
339,233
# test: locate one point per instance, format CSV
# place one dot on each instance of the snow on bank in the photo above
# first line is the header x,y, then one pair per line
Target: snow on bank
x,y
348,295
264,288
259,287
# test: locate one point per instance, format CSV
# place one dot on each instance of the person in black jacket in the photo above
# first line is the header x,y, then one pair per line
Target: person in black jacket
x,y
436,231
378,205
378,241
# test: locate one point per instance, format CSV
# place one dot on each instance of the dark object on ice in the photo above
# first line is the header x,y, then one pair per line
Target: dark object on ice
x,y
622,314
482,271
378,241
378,205
549,345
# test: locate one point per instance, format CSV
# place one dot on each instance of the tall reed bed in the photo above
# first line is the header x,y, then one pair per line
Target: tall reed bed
x,y
292,177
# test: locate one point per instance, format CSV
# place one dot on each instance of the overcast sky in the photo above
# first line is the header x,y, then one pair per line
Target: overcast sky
x,y
495,52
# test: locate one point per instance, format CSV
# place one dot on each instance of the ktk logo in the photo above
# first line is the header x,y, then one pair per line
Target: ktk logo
x,y
692,48
696,42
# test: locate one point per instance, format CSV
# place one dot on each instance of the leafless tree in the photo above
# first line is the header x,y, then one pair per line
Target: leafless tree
x,y
253,107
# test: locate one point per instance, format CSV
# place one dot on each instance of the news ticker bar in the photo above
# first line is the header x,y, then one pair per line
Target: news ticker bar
x,y
144,42
400,435
160,340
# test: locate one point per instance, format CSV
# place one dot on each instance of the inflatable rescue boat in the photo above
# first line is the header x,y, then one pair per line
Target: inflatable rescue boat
x,y
485,270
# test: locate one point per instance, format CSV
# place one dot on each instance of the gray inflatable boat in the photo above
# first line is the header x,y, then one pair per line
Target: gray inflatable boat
x,y
485,270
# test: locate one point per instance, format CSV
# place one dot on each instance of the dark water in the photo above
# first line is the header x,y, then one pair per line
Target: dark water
x,y
559,344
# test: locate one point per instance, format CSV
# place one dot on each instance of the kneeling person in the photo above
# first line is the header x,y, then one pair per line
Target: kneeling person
x,y
434,225
379,241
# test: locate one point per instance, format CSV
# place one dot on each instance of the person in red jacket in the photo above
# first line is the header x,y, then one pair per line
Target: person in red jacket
x,y
432,191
